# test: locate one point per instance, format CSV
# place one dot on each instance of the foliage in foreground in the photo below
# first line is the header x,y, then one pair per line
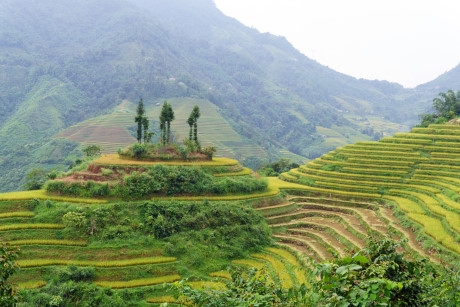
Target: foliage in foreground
x,y
246,288
8,267
375,276
71,287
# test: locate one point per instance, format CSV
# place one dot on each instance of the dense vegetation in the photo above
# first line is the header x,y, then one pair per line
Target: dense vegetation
x,y
112,243
375,276
445,107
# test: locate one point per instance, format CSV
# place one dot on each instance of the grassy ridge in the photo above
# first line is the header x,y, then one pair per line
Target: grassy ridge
x,y
47,242
41,194
138,282
104,264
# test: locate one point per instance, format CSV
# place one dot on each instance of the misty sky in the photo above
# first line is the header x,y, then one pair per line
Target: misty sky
x,y
405,41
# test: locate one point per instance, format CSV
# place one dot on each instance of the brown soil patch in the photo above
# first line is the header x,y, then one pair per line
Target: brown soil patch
x,y
297,245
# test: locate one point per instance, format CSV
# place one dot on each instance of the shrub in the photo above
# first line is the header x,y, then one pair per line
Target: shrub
x,y
74,273
191,145
199,228
118,231
75,220
209,151
138,150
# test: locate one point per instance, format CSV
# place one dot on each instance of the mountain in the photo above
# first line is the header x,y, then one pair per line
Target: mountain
x,y
72,72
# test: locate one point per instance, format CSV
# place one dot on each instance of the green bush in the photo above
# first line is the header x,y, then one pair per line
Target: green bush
x,y
73,293
206,228
138,150
75,273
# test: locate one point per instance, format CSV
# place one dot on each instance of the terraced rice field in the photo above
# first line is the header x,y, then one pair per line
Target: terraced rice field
x,y
108,131
282,266
44,247
405,187
417,172
111,131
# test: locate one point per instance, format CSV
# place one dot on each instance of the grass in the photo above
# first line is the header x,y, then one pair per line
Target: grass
x,y
47,242
16,214
249,262
168,299
245,171
105,264
407,169
139,282
41,194
448,202
114,159
298,268
425,204
279,268
30,226
221,274
207,285
434,228
33,284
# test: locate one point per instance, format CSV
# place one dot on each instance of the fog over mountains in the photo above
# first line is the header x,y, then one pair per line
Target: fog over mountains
x,y
64,63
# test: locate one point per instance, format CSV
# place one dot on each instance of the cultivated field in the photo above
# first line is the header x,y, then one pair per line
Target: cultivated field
x,y
405,187
111,131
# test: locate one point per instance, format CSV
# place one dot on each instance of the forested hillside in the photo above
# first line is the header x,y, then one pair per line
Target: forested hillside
x,y
65,62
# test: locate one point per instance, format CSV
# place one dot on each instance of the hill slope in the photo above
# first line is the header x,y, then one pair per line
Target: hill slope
x,y
77,60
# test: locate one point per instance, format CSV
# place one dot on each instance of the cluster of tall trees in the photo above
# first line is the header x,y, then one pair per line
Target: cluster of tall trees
x,y
166,117
192,122
142,123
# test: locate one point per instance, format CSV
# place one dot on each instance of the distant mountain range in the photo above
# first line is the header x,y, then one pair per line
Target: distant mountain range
x,y
72,72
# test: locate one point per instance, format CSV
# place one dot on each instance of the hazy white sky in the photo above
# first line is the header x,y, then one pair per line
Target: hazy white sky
x,y
406,41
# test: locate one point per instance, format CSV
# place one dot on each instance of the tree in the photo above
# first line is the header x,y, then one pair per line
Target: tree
x,y
92,150
141,120
147,135
277,167
190,123
447,104
166,117
195,115
8,266
446,107
35,179
375,276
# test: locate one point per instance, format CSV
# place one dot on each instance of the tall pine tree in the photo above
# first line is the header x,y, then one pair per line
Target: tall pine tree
x,y
195,114
139,119
166,117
